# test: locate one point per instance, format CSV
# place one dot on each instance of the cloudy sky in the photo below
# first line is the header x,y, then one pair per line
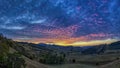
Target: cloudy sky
x,y
62,22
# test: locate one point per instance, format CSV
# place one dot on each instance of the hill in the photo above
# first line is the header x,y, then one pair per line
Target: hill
x,y
7,59
29,55
11,58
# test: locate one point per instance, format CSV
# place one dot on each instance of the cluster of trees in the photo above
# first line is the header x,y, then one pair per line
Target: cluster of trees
x,y
52,59
12,61
9,60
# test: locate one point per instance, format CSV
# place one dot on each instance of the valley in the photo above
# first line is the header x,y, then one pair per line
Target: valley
x,y
53,56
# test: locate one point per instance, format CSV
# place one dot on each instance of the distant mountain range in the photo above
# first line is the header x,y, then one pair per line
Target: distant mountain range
x,y
84,50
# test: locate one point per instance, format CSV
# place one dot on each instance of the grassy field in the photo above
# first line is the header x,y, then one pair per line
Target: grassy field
x,y
114,64
72,66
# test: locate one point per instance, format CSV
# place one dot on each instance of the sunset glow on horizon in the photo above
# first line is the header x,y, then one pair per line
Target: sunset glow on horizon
x,y
61,22
73,43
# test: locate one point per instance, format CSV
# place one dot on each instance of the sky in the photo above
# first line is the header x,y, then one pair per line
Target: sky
x,y
61,22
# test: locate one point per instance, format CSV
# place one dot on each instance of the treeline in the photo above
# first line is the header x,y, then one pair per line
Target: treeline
x,y
52,59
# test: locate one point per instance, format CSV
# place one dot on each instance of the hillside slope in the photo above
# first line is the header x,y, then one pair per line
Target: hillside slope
x,y
30,63
115,64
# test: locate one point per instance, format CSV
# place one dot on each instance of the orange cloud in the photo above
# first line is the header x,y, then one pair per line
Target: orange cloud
x,y
73,41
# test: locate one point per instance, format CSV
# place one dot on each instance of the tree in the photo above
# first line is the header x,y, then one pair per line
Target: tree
x,y
15,61
73,60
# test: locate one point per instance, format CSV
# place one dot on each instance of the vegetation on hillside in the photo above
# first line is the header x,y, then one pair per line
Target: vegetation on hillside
x,y
45,56
9,60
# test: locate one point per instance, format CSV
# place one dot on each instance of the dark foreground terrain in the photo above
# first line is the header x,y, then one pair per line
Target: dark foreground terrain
x,y
27,55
